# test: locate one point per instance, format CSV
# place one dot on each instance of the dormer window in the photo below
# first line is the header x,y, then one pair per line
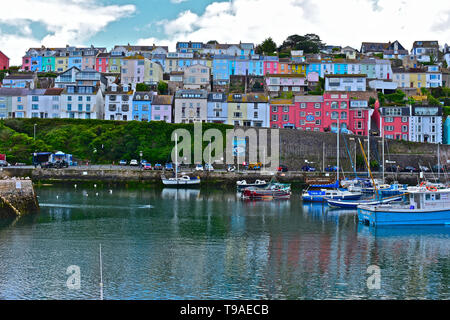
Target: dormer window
x,y
146,97
138,97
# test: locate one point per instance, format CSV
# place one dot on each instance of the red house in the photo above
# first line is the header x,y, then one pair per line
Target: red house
x,y
102,63
393,121
283,114
335,105
4,61
310,113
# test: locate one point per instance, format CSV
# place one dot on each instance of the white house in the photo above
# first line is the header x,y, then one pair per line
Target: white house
x,y
345,82
425,124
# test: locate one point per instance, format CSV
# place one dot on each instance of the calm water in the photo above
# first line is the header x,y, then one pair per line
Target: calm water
x,y
192,244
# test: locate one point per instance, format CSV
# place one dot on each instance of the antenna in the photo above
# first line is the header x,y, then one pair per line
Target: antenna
x,y
101,274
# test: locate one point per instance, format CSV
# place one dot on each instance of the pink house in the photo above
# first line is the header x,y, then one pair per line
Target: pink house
x,y
4,61
162,108
310,113
359,112
270,65
277,83
335,106
26,63
283,114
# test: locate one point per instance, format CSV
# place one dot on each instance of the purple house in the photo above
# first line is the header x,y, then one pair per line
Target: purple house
x,y
162,108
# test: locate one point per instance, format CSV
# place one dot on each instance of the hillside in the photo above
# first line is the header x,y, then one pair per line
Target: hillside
x,y
96,141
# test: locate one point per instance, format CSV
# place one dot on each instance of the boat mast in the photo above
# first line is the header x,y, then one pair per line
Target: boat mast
x,y
439,163
367,163
382,139
176,157
338,129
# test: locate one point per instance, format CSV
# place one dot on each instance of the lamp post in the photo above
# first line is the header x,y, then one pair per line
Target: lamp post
x,y
34,131
140,162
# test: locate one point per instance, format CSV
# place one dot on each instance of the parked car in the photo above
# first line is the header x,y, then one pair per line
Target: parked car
x,y
282,168
440,168
198,167
147,166
169,167
393,169
255,166
3,163
424,168
331,169
231,168
134,162
209,167
123,162
410,169
308,168
143,162
158,166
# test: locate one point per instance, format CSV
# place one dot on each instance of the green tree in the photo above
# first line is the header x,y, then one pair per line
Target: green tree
x,y
309,43
163,87
142,87
267,47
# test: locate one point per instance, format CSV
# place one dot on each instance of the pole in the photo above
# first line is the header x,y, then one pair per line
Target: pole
x,y
384,161
323,156
176,157
337,178
34,131
101,274
439,163
368,138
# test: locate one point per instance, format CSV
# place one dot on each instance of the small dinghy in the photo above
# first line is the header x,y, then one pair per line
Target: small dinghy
x,y
350,204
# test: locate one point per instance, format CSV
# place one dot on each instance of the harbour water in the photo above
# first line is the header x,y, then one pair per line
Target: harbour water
x,y
207,244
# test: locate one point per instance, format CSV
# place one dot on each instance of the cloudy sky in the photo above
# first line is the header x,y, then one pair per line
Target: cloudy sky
x,y
32,23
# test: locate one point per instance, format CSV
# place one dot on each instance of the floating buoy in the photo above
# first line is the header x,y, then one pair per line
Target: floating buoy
x,y
95,186
110,191
75,186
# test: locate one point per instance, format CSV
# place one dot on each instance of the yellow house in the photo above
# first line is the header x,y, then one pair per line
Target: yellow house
x,y
417,80
237,109
61,64
298,68
114,64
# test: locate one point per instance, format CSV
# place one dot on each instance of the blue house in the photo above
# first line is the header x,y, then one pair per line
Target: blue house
x,y
221,67
447,131
142,106
217,107
36,63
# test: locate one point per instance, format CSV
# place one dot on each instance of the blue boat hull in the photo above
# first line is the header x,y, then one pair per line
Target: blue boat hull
x,y
354,204
379,218
323,198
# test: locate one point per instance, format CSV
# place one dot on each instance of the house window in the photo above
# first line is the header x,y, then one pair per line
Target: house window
x,y
274,117
274,109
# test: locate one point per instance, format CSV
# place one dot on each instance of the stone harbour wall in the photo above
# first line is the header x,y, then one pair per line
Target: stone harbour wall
x,y
17,197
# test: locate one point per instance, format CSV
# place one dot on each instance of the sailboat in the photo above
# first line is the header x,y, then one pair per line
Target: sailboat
x,y
184,180
320,193
377,200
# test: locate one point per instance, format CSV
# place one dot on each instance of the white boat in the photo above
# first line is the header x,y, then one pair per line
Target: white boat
x,y
424,206
258,183
184,180
323,195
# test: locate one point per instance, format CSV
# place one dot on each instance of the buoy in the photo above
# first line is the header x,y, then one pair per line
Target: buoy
x,y
96,194
75,186
95,186
110,191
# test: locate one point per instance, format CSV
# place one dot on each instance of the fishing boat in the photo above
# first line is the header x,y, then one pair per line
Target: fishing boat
x,y
350,204
253,193
424,206
323,195
258,184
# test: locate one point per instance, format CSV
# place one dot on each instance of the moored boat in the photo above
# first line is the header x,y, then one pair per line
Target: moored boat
x,y
258,184
424,206
322,195
265,194
183,181
352,204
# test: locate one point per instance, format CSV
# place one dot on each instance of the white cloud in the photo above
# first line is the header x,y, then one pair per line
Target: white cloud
x,y
346,22
178,1
67,22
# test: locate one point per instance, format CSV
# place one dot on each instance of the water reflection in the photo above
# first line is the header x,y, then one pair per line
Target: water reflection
x,y
208,244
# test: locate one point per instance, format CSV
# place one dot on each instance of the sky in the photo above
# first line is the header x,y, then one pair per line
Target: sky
x,y
105,23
